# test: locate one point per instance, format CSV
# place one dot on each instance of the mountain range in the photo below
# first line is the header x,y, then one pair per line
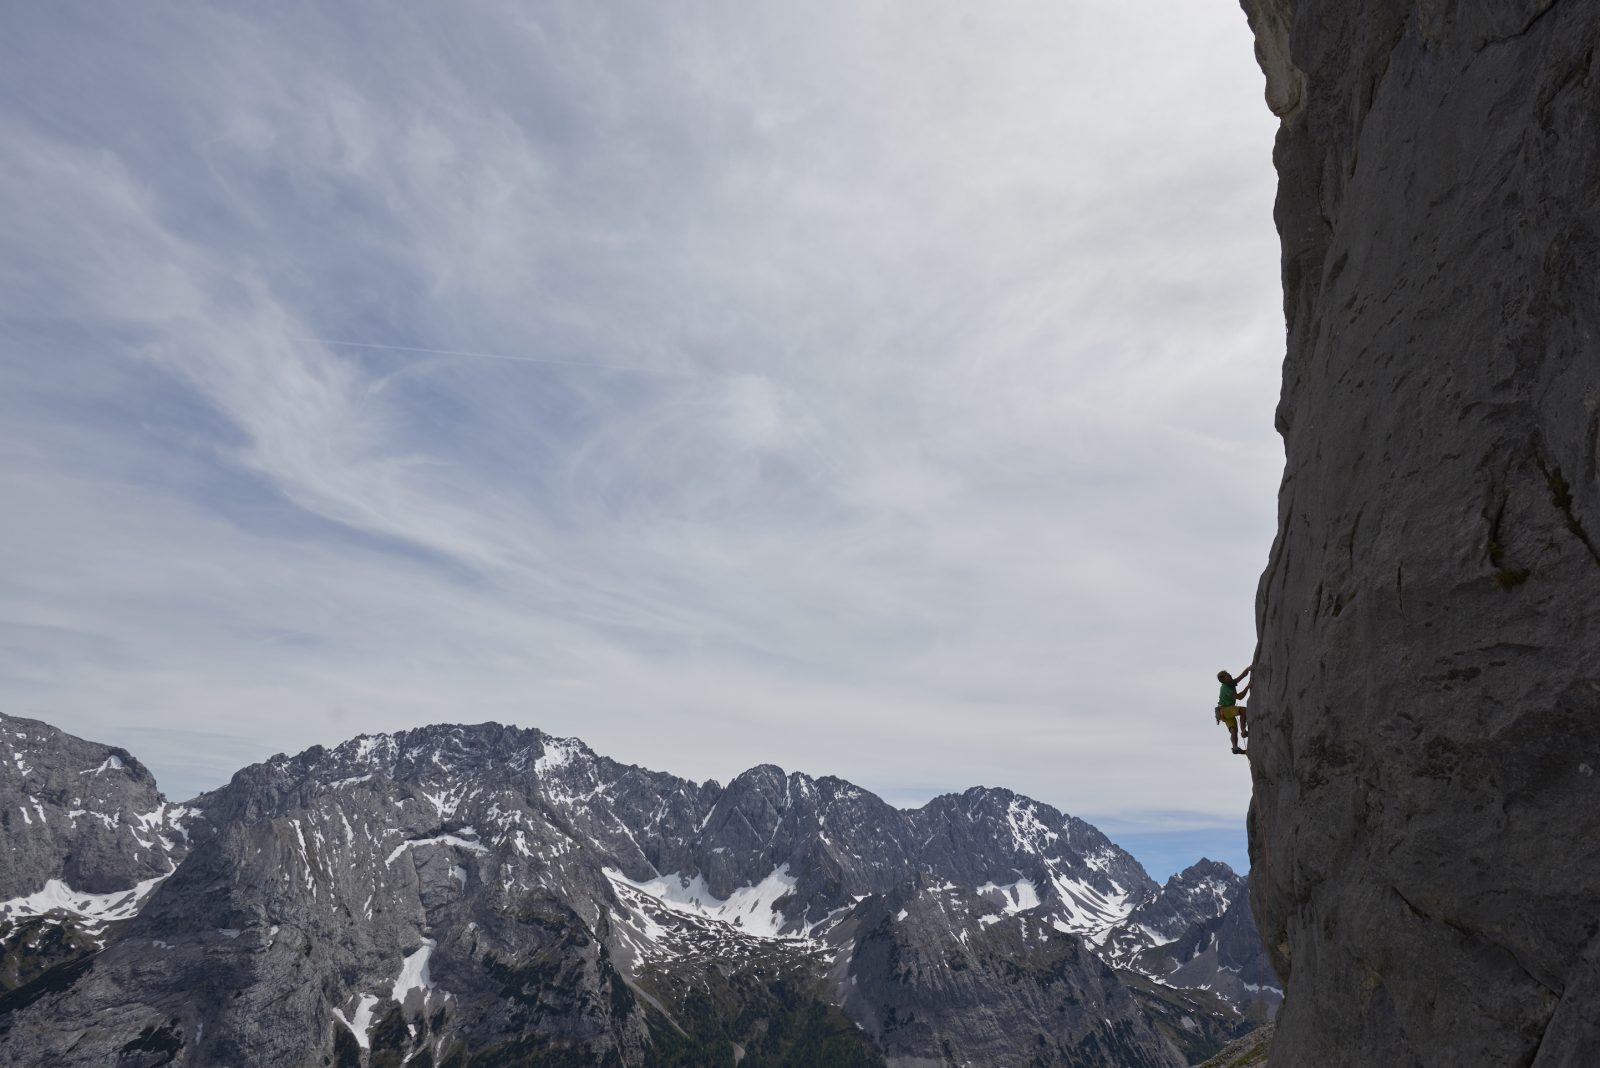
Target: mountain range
x,y
489,895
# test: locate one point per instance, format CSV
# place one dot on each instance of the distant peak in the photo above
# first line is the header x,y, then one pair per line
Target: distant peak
x,y
768,775
1205,868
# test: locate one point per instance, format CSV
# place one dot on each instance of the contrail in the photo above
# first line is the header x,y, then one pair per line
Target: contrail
x,y
488,355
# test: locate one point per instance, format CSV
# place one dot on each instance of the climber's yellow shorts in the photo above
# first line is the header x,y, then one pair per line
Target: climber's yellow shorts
x,y
1230,714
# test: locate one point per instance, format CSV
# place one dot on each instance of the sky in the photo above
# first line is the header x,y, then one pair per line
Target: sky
x,y
875,389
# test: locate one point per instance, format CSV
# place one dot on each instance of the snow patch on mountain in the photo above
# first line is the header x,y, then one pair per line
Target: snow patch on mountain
x,y
359,1022
414,977
1028,831
558,752
1019,896
752,909
471,844
92,912
1085,910
110,763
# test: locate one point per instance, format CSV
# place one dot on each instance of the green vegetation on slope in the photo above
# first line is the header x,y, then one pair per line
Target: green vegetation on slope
x,y
1248,1052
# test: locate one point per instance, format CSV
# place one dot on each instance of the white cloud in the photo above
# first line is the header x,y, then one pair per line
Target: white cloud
x,y
883,391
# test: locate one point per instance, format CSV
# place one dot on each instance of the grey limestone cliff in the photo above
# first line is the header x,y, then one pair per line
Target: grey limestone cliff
x,y
1425,833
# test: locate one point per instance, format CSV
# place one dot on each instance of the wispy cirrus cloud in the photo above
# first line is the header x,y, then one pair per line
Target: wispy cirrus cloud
x,y
879,390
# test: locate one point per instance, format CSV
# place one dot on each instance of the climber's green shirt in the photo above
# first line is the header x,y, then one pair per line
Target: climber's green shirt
x,y
1229,695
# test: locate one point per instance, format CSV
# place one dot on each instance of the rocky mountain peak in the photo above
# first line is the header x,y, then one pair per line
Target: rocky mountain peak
x,y
433,751
483,887
1206,868
85,814
34,752
1208,880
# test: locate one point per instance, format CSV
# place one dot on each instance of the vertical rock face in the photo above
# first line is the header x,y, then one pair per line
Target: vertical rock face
x,y
1426,734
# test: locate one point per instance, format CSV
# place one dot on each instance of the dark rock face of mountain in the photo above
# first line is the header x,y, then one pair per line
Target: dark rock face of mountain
x,y
1193,959
941,975
1200,892
85,837
487,895
1198,933
1426,728
86,814
1221,954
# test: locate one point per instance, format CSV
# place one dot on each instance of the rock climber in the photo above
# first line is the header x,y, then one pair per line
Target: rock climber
x,y
1229,710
